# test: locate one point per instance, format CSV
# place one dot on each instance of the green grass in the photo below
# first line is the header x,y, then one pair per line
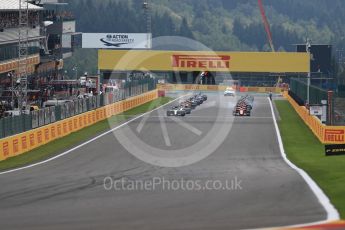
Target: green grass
x,y
305,150
73,139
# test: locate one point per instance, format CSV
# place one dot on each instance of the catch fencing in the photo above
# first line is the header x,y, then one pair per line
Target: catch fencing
x,y
300,89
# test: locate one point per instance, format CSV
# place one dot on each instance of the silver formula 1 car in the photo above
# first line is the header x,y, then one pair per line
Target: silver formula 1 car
x,y
176,111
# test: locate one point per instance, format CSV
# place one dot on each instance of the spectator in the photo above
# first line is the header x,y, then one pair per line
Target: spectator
x,y
270,95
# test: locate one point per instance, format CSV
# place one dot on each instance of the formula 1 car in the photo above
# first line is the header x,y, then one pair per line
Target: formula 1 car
x,y
198,101
192,103
200,97
176,111
244,106
241,110
203,96
187,109
187,106
247,100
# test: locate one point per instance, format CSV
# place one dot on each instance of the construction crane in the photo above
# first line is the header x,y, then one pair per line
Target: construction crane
x,y
266,24
268,31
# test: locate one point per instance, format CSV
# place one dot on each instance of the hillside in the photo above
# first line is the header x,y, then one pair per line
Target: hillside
x,y
236,25
219,24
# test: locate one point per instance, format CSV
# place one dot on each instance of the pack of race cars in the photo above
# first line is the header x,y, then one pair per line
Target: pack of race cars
x,y
186,106
244,106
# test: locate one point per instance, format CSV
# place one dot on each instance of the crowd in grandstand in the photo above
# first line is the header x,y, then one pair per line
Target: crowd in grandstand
x,y
11,19
53,16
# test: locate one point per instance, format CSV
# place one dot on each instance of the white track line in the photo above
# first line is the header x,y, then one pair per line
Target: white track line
x,y
143,121
164,129
87,142
332,213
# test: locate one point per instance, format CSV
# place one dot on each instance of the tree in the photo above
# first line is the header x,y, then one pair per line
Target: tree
x,y
185,30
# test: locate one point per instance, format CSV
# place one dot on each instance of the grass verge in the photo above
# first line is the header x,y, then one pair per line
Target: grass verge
x,y
67,142
305,150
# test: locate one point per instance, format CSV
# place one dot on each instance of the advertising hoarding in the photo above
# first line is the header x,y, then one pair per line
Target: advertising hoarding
x,y
316,110
143,60
68,27
117,40
335,150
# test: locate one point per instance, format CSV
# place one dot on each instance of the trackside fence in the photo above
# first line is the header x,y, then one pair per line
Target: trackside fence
x,y
26,141
17,124
300,89
326,134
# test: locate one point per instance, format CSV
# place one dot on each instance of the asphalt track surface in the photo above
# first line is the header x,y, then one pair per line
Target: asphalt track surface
x,y
69,192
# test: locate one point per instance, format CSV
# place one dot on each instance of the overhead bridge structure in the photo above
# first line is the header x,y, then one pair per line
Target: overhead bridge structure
x,y
186,66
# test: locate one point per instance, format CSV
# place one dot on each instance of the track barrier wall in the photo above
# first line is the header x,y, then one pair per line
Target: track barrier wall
x,y
325,134
26,141
10,126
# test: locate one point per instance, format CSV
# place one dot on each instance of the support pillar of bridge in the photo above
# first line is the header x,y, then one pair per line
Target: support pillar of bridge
x,y
190,78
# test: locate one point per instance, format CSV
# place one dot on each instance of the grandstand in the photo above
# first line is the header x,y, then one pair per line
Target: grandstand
x,y
51,38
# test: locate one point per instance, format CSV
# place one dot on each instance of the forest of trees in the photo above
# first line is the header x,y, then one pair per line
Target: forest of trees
x,y
123,17
219,24
120,17
254,35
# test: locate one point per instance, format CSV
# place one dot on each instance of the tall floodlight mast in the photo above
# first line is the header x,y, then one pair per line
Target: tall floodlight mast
x,y
23,43
147,11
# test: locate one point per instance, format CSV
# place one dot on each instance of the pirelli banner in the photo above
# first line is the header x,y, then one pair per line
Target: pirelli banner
x,y
149,60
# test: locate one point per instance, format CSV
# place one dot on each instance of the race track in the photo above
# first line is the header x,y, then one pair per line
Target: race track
x,y
69,192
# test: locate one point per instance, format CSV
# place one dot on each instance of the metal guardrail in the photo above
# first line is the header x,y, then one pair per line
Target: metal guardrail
x,y
17,124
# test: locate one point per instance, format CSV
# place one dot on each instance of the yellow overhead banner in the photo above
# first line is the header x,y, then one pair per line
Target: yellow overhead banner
x,y
149,60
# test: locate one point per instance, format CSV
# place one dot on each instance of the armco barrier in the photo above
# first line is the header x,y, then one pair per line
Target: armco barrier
x,y
172,87
23,142
325,134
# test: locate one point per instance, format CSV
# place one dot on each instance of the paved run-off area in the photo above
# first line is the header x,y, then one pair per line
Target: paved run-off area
x,y
74,191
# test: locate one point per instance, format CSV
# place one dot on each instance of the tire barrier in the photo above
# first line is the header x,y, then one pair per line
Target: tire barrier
x,y
26,141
